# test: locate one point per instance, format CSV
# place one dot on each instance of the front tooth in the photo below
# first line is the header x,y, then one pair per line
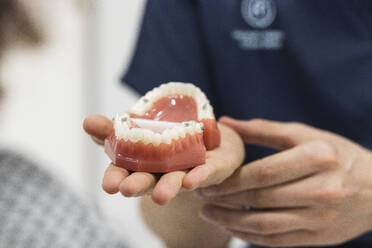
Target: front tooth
x,y
126,136
172,89
190,91
137,134
166,138
148,136
156,139
117,117
132,136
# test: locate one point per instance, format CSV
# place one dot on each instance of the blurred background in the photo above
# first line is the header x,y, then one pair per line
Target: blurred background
x,y
50,89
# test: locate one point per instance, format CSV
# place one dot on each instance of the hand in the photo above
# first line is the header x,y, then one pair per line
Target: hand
x,y
220,164
316,191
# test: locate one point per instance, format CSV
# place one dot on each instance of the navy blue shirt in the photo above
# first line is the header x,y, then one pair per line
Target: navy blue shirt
x,y
288,60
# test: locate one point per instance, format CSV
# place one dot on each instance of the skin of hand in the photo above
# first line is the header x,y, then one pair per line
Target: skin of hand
x,y
220,164
316,191
179,225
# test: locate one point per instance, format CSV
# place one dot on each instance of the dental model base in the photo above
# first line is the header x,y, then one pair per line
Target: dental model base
x,y
169,129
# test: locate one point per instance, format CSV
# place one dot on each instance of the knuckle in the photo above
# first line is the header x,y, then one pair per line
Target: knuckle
x,y
329,216
256,199
237,179
265,226
296,127
266,174
261,199
257,121
220,179
330,195
324,153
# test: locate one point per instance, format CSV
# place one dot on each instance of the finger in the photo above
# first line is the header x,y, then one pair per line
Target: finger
x,y
277,135
289,239
98,141
197,176
292,195
220,163
257,222
137,184
168,187
293,164
98,126
112,178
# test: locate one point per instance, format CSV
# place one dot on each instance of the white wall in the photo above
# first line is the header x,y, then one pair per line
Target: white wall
x,y
51,89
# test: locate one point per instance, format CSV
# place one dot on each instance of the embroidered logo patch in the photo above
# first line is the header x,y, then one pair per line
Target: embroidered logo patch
x,y
259,13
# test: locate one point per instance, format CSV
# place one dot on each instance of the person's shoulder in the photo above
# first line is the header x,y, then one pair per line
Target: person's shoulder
x,y
11,158
16,164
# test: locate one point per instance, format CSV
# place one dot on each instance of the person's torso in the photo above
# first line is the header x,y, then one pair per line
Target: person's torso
x,y
304,61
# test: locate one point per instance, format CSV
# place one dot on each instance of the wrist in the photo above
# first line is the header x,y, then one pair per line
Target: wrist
x,y
369,165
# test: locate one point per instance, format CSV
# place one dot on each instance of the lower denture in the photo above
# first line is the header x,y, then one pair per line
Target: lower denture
x,y
179,155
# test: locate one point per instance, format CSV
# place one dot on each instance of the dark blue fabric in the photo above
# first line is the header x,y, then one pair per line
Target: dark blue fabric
x,y
321,75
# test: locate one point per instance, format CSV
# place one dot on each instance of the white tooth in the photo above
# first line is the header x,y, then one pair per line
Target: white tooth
x,y
164,90
125,135
199,128
189,130
118,132
154,95
168,91
156,140
139,134
148,96
190,91
148,136
174,134
181,132
166,137
132,135
116,121
171,89
170,85
196,128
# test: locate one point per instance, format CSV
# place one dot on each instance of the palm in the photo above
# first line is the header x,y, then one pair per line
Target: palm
x,y
220,164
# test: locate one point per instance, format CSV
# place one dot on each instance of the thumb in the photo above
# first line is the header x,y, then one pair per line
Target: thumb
x,y
98,126
273,134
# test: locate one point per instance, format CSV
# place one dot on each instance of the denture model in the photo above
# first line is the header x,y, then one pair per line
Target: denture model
x,y
169,129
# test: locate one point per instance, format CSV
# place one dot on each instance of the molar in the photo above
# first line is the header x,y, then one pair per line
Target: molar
x,y
174,134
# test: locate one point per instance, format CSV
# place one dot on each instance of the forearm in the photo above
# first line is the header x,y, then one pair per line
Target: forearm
x,y
178,223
